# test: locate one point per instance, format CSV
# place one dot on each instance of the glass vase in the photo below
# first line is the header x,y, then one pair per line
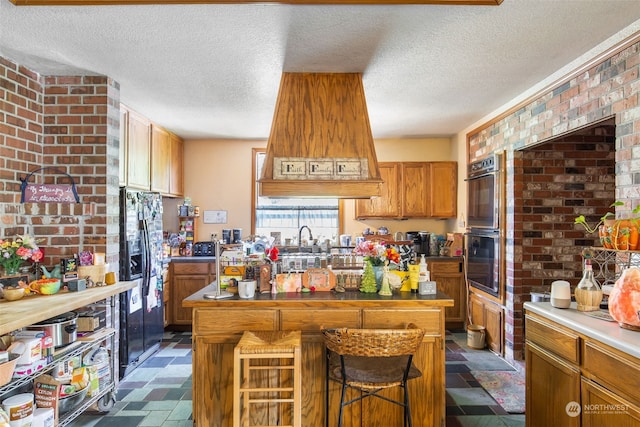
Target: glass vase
x,y
378,271
11,270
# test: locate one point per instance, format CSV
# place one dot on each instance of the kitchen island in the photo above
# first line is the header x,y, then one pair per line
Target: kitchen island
x,y
219,324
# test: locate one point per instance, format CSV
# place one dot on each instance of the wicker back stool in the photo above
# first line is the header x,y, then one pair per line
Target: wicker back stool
x,y
281,351
371,360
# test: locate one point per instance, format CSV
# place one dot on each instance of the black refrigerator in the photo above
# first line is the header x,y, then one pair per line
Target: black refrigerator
x,y
141,308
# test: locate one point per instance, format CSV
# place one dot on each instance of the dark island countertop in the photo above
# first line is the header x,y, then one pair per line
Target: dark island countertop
x,y
319,299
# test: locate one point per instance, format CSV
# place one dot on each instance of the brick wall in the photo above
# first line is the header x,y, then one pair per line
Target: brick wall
x,y
72,123
609,89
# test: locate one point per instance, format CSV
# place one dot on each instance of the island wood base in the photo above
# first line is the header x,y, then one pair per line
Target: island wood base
x,y
219,324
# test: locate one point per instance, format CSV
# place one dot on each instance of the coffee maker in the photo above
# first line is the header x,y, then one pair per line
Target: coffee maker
x,y
420,242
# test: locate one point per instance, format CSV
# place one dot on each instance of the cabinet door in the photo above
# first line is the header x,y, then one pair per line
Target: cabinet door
x,y
443,184
416,199
603,408
388,204
450,280
160,159
182,287
176,186
166,298
493,323
551,386
124,129
477,310
139,131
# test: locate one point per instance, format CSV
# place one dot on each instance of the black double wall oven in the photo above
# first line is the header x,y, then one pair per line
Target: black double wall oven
x,y
483,241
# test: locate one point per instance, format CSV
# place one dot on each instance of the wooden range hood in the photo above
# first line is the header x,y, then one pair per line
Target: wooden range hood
x,y
321,143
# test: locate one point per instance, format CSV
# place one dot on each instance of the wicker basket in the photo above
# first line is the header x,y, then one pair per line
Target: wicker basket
x,y
7,368
94,272
374,342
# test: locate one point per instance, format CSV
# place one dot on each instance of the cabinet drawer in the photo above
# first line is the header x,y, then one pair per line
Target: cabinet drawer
x,y
553,338
191,268
445,267
314,320
227,322
429,319
617,372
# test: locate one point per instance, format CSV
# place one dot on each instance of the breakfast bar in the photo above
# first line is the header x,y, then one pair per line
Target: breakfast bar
x,y
218,325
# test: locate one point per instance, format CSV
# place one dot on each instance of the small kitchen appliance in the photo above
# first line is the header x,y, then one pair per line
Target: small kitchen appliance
x,y
203,249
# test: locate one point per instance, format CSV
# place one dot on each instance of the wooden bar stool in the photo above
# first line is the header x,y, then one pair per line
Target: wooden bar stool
x,y
267,357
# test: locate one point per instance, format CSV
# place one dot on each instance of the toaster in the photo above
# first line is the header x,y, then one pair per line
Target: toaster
x,y
202,249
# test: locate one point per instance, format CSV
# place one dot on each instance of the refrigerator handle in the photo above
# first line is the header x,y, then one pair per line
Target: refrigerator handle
x,y
146,257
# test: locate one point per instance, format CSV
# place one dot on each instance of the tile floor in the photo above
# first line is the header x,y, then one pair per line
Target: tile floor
x,y
158,393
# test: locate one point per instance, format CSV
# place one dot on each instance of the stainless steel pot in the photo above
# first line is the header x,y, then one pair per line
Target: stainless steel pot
x,y
62,329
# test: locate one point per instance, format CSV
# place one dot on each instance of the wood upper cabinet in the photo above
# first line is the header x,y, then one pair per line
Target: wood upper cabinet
x,y
138,151
443,189
388,204
415,200
166,162
413,190
124,129
151,157
160,159
176,182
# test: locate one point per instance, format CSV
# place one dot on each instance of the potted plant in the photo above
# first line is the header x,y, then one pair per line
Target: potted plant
x,y
620,234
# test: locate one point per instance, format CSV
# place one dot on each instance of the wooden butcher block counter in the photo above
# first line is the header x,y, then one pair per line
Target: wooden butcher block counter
x,y
219,324
33,309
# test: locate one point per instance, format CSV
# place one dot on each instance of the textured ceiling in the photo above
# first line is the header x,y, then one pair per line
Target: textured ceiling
x,y
213,71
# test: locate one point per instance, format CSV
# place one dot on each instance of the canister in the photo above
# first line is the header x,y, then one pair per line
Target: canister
x,y
20,409
237,235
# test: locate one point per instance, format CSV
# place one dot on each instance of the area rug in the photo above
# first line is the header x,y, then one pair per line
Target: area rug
x,y
506,387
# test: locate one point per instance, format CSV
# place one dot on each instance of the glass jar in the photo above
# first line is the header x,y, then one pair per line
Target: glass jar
x,y
588,292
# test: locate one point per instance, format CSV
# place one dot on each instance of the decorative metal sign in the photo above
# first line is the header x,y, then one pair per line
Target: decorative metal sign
x,y
302,168
48,193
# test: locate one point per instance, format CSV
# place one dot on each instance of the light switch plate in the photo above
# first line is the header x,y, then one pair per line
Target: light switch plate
x,y
215,217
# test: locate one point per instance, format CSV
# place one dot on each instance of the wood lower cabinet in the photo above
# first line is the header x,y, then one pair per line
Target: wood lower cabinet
x,y
187,278
573,379
413,190
601,407
551,376
449,278
489,314
218,325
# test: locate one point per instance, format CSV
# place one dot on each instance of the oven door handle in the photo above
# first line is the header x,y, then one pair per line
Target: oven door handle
x,y
483,175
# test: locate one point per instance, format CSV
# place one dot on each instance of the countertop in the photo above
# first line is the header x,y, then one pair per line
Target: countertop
x,y
36,308
192,259
604,331
319,299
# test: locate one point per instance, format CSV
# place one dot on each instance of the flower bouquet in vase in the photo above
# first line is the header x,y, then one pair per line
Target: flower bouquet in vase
x,y
375,256
13,253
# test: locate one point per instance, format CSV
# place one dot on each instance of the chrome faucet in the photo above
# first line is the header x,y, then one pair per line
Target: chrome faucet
x,y
300,236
